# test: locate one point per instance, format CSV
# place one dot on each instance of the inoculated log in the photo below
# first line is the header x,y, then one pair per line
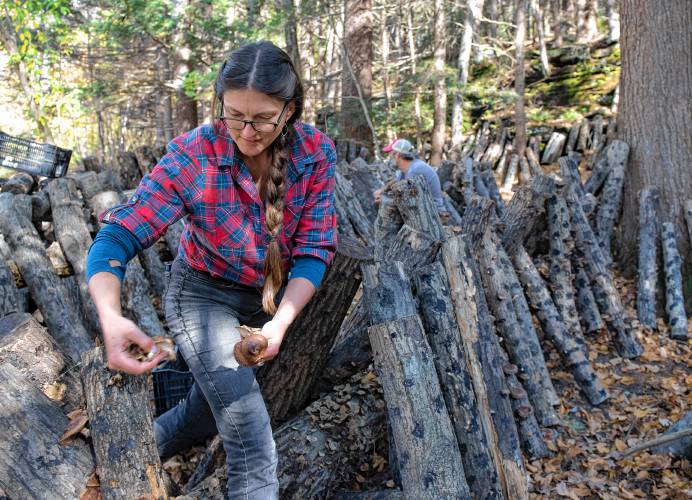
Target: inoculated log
x,y
583,142
47,291
477,217
146,159
598,140
572,138
91,163
482,139
28,346
485,365
599,172
364,182
428,457
587,307
19,183
416,206
609,208
648,258
493,191
32,463
492,154
128,169
437,312
556,331
510,329
675,305
387,226
74,237
511,175
10,300
524,170
553,150
560,275
287,381
534,164
607,298
524,210
681,447
479,184
445,171
464,179
121,425
413,248
352,213
521,308
503,163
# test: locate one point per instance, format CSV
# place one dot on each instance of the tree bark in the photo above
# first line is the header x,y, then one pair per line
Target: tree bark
x,y
520,116
32,463
428,456
485,365
473,13
537,14
658,157
10,299
452,363
439,86
127,463
358,50
416,206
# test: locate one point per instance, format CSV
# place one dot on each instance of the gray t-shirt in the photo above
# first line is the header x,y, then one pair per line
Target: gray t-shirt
x,y
419,167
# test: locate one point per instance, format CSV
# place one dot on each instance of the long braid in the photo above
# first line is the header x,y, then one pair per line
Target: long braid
x,y
274,214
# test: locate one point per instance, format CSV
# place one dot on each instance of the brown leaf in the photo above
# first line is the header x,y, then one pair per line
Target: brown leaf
x,y
73,428
563,490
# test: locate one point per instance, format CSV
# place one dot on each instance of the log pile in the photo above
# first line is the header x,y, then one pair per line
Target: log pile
x,y
425,340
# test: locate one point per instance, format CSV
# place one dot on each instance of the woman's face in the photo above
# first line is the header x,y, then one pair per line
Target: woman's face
x,y
248,104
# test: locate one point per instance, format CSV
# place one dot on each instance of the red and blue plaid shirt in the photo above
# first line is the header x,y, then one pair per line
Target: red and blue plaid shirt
x,y
225,235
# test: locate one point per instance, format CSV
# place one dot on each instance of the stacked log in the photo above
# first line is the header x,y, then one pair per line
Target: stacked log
x,y
675,305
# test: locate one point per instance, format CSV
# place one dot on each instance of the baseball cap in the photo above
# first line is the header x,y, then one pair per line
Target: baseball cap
x,y
400,146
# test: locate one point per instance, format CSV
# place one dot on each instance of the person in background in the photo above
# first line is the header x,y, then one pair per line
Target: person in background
x,y
408,165
257,188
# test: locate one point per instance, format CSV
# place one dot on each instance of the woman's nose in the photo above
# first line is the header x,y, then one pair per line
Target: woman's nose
x,y
247,131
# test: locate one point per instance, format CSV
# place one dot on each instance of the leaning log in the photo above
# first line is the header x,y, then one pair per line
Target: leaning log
x,y
584,135
572,138
587,307
485,365
121,425
599,173
516,341
32,463
511,174
560,275
46,288
413,248
74,237
437,312
28,346
606,294
611,199
556,331
10,300
128,170
477,216
648,258
553,150
428,457
416,206
675,305
493,191
387,225
288,380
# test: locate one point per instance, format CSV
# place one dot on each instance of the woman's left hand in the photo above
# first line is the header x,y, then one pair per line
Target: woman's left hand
x,y
274,331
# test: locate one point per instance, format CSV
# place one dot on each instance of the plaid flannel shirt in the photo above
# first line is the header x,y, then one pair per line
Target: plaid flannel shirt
x,y
225,235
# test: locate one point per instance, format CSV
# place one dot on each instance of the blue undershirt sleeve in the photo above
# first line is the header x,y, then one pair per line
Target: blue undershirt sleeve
x,y
308,267
113,247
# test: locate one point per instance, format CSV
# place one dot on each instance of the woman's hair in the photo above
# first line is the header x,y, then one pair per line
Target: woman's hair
x,y
264,67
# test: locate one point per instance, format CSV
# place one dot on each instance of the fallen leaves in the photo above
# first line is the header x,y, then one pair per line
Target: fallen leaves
x,y
76,426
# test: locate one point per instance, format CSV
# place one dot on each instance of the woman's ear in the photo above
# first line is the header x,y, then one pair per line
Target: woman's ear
x,y
290,110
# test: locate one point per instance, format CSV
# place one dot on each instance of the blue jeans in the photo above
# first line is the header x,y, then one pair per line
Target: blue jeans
x,y
203,314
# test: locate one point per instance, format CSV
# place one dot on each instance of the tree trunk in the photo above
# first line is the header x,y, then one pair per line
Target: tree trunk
x,y
473,13
658,157
291,35
648,258
358,50
416,98
613,16
520,116
439,86
537,14
32,463
121,425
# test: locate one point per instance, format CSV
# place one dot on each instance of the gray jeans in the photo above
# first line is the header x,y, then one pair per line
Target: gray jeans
x,y
203,314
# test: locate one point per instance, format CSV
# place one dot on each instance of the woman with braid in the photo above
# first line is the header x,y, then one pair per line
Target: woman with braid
x,y
256,187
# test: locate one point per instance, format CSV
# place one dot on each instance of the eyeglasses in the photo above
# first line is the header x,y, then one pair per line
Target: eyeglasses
x,y
257,126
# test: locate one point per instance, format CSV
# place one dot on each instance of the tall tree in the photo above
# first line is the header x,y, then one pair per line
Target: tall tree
x,y
474,9
357,48
185,105
537,13
439,86
519,78
654,114
413,54
613,20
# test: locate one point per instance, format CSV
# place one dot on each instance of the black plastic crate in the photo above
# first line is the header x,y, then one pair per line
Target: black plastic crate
x,y
170,387
33,157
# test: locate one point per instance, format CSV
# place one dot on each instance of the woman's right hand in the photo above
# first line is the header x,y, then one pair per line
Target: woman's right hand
x,y
118,334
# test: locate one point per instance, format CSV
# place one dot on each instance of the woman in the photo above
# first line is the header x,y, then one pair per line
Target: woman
x,y
257,187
